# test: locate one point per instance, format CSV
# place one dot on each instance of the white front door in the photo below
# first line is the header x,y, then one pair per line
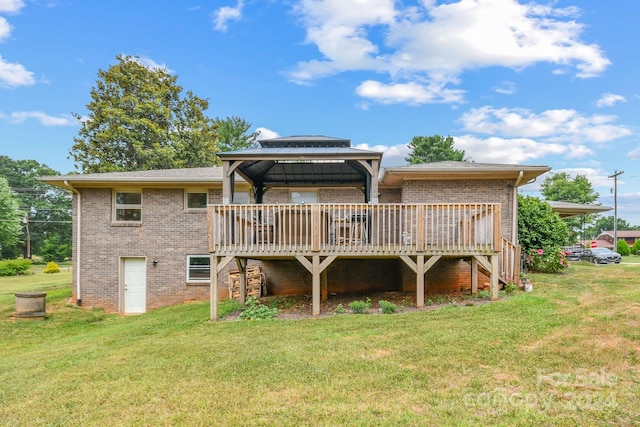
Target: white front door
x,y
135,284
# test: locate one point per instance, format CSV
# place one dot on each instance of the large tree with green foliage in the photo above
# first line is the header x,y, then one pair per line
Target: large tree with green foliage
x,y
561,187
436,148
538,226
46,208
9,219
233,134
140,120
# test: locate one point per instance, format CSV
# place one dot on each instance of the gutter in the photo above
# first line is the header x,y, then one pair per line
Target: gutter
x,y
514,226
78,239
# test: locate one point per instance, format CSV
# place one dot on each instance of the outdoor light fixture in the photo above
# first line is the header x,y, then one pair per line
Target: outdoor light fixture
x,y
155,262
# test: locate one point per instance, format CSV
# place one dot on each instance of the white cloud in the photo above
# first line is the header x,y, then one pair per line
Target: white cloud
x,y
610,99
410,93
394,155
225,14
554,125
416,45
596,176
501,150
13,75
11,6
506,88
266,133
634,154
43,118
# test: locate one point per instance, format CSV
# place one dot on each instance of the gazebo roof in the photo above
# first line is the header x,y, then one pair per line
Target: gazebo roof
x,y
301,161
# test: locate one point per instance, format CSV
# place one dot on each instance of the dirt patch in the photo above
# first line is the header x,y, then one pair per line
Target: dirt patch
x,y
300,306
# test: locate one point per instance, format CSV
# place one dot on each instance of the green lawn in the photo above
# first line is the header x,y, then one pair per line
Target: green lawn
x,y
567,353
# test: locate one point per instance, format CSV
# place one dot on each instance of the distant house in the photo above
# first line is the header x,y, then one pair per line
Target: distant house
x,y
315,215
605,239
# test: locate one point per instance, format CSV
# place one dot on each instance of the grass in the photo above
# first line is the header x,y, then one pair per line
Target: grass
x,y
567,353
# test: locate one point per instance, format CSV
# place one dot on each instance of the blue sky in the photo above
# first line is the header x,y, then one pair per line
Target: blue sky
x,y
546,83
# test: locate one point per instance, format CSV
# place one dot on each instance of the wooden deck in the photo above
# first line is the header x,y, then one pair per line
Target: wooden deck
x,y
316,234
355,229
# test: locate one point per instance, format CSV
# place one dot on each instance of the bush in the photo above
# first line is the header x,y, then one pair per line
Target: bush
x,y
253,310
360,307
340,309
14,267
539,226
387,307
622,247
510,288
549,260
636,248
51,267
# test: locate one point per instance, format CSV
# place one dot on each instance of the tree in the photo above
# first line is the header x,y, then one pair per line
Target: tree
x,y
436,148
46,208
605,223
9,219
561,187
538,226
139,120
232,134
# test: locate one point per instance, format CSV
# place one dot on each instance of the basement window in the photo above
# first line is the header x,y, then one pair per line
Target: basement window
x,y
198,268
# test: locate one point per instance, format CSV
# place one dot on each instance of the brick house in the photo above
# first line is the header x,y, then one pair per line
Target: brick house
x,y
605,239
316,215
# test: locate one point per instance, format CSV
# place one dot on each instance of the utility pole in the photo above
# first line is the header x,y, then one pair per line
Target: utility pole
x,y
615,207
25,221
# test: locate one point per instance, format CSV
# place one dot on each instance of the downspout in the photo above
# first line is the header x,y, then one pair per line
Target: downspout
x,y
514,226
78,239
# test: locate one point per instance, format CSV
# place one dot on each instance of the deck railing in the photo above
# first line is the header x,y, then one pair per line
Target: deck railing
x,y
371,229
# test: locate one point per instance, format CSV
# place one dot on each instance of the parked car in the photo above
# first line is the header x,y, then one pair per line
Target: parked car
x,y
601,256
573,253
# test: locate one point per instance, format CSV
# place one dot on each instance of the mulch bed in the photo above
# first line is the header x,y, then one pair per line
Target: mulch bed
x,y
300,306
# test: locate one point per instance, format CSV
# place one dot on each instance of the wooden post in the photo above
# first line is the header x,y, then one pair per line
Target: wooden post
x,y
420,229
474,276
213,288
315,284
497,233
420,281
315,227
242,268
323,285
494,277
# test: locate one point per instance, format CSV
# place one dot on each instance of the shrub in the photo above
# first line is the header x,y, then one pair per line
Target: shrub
x,y
636,248
622,247
511,287
548,260
340,309
360,307
254,310
387,307
51,267
14,267
484,294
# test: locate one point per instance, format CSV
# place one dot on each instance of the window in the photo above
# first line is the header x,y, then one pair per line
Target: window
x,y
198,268
127,206
196,199
304,197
